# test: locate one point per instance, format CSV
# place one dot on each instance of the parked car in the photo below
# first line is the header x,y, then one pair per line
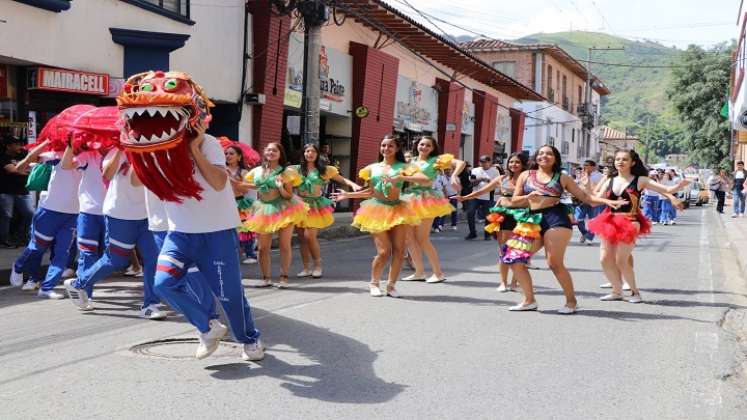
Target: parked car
x,y
697,193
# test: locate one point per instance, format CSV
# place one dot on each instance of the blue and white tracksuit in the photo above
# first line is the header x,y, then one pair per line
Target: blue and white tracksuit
x,y
215,255
91,196
53,222
121,238
91,238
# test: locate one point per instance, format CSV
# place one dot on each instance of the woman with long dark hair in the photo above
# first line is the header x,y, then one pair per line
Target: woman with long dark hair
x,y
502,221
428,204
620,228
276,210
315,173
545,224
383,213
237,170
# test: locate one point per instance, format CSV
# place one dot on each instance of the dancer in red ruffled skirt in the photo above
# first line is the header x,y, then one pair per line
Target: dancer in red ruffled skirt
x,y
619,228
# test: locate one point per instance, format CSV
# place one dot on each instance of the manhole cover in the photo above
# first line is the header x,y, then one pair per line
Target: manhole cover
x,y
182,349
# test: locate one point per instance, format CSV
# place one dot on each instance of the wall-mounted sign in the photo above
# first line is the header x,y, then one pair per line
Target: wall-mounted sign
x,y
451,127
468,118
115,86
335,75
71,81
361,111
31,133
417,106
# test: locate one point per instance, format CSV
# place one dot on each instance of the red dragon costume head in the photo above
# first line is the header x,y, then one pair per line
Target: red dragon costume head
x,y
161,112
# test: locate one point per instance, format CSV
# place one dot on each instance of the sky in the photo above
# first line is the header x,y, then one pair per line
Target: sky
x,y
670,22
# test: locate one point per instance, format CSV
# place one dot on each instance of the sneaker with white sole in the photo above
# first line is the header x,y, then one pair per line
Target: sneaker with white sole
x,y
68,273
152,312
611,297
375,290
435,279
253,352
130,272
605,286
414,277
210,340
304,273
16,279
524,307
566,310
502,288
635,298
249,260
30,285
393,293
316,273
79,297
50,294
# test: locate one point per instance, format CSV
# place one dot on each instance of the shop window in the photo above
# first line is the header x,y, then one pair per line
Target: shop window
x,y
146,50
175,9
506,67
51,5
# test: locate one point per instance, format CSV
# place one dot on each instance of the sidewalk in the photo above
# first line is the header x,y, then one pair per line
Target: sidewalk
x,y
736,236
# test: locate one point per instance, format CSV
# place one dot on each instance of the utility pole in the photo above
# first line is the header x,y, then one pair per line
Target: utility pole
x,y
588,116
648,139
315,13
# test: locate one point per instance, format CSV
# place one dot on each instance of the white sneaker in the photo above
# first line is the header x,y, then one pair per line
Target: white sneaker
x,y
316,273
626,287
16,279
605,286
68,273
249,260
582,239
502,288
611,297
393,293
635,299
565,310
413,277
589,242
210,340
152,312
30,285
435,279
524,307
375,290
50,294
139,274
79,297
130,272
304,273
253,352
454,228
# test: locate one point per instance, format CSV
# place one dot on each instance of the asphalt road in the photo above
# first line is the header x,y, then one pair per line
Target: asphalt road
x,y
444,351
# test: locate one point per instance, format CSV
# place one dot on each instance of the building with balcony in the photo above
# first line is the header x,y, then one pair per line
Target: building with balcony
x,y
563,119
738,89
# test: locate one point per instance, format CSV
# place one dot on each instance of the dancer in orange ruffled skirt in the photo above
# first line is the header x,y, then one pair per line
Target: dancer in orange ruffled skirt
x,y
384,214
276,209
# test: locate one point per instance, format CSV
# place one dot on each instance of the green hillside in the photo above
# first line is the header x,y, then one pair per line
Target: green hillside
x,y
636,92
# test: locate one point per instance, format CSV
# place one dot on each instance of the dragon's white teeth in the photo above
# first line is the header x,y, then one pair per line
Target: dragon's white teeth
x,y
174,113
143,139
172,133
154,138
152,111
163,112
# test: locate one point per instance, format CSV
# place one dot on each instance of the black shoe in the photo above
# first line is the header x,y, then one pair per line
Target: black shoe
x,y
470,237
487,238
7,245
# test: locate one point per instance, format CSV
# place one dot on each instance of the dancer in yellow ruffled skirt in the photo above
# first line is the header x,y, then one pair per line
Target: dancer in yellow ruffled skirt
x,y
428,203
384,214
276,209
315,173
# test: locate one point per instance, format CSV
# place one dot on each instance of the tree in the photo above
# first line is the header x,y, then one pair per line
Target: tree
x,y
698,90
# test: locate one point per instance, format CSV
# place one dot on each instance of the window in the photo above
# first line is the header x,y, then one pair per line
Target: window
x,y
549,80
506,67
175,9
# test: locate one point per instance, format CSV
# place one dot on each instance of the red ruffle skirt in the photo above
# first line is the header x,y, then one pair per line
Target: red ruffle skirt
x,y
615,229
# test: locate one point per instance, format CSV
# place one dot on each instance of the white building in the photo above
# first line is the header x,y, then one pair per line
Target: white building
x,y
105,41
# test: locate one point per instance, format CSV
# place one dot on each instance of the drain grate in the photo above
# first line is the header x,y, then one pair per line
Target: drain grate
x,y
182,349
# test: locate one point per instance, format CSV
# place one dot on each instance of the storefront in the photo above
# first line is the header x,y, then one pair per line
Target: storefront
x,y
335,127
416,112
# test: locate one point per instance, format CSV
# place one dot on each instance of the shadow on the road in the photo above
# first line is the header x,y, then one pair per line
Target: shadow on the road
x,y
691,304
692,292
628,316
315,363
458,299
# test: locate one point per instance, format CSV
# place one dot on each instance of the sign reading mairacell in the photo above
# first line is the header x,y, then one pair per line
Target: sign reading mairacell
x,y
72,81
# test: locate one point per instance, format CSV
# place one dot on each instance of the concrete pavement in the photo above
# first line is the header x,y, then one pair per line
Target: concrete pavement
x,y
444,351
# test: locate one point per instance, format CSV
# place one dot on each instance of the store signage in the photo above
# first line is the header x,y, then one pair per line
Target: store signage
x,y
31,132
70,81
417,106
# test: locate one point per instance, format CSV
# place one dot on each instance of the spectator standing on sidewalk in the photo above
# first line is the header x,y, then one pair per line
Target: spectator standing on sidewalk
x,y
719,184
737,189
587,181
651,201
439,184
14,197
451,192
481,176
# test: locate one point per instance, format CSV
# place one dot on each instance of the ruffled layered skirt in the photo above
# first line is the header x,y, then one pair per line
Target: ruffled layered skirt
x,y
376,216
244,205
428,203
271,216
619,228
518,248
500,218
320,213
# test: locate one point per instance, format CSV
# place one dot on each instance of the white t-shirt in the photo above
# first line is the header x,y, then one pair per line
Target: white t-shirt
x,y
450,191
490,173
216,211
123,200
62,193
157,219
92,189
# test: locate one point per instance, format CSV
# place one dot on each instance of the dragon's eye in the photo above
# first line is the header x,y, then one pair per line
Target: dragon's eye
x,y
170,85
147,87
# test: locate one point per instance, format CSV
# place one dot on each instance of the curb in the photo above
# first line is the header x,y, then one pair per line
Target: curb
x,y
737,241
